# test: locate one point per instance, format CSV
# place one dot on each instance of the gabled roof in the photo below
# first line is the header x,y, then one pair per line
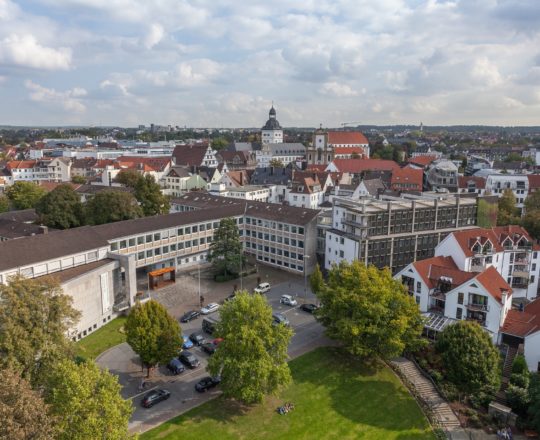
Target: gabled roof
x,y
534,182
403,178
178,171
146,164
494,283
20,164
422,161
305,185
523,323
361,165
349,150
192,155
84,162
432,269
347,138
464,181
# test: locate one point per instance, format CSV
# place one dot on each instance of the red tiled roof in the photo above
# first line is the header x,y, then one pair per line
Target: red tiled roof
x,y
192,155
316,167
349,150
431,269
534,182
494,283
523,323
422,161
403,178
19,164
466,239
144,163
479,182
347,138
359,165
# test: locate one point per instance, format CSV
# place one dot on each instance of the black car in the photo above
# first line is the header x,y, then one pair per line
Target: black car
x,y
209,348
189,359
189,316
175,366
197,338
155,396
310,308
207,383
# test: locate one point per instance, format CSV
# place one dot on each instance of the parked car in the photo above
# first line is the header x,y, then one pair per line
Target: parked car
x,y
155,396
197,338
310,308
280,319
230,297
210,308
189,316
262,288
288,300
175,366
187,343
207,383
189,359
209,348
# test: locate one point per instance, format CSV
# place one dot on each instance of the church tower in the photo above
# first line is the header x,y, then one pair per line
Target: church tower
x,y
272,133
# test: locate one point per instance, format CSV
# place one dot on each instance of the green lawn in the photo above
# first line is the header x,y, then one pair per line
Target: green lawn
x,y
106,337
336,397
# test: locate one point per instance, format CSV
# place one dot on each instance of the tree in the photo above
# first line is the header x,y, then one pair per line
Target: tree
x,y
78,180
87,402
252,359
35,317
61,208
368,311
129,177
149,195
534,398
532,202
23,413
276,163
316,280
111,206
152,333
4,204
25,195
531,222
508,213
470,358
487,214
220,143
226,253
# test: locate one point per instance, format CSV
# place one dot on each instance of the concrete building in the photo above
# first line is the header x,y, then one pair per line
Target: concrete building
x,y
442,175
98,265
285,153
393,232
496,184
328,145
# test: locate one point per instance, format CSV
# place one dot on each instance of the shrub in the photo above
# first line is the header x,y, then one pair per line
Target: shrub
x,y
436,376
474,421
520,379
518,399
483,398
519,366
450,391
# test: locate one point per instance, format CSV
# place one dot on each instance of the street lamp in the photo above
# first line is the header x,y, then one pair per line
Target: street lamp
x,y
306,257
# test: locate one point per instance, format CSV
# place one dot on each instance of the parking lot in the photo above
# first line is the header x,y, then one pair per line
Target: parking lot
x,y
121,360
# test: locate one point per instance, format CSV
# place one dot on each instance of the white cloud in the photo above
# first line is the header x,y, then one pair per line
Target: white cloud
x,y
336,89
154,36
486,72
69,100
25,51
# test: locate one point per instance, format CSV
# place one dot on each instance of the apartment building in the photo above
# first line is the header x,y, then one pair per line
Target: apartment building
x,y
49,170
497,184
393,232
98,266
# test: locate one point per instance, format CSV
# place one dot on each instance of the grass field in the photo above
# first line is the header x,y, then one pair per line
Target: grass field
x,y
106,337
335,397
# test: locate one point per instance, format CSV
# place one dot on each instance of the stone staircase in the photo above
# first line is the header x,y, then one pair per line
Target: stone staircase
x,y
427,392
509,360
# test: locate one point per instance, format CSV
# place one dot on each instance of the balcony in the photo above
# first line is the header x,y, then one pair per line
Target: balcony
x,y
355,223
477,307
437,294
478,267
521,271
481,321
520,284
436,309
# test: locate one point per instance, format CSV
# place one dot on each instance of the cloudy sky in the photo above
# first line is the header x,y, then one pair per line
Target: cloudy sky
x,y
220,63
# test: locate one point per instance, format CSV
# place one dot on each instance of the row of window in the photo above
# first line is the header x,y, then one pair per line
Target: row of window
x,y
277,251
173,248
280,263
275,225
277,239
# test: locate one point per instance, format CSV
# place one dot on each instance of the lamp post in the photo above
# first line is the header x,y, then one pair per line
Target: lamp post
x,y
199,272
306,257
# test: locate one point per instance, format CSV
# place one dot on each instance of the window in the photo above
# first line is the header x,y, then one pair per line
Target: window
x,y
149,253
140,240
123,244
140,256
131,242
157,236
180,231
459,313
460,298
195,228
341,254
114,246
149,239
165,249
188,230
173,247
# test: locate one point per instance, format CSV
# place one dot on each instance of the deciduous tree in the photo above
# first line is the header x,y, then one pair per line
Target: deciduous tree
x,y
87,402
111,206
129,177
534,399
276,163
61,208
226,253
24,195
4,204
35,316
252,359
152,200
470,358
508,213
23,413
78,180
316,280
152,333
369,311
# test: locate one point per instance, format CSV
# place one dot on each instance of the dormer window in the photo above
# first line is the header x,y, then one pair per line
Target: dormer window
x,y
477,248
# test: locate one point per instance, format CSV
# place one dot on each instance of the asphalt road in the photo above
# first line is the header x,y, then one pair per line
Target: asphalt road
x,y
308,334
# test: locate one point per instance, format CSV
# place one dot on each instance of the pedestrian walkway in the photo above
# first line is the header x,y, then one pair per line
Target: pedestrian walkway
x,y
427,392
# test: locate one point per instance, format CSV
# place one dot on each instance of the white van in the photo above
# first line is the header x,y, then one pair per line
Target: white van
x,y
262,288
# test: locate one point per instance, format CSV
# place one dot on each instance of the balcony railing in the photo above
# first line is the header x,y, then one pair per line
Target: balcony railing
x,y
436,309
478,307
478,267
521,271
480,321
436,293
